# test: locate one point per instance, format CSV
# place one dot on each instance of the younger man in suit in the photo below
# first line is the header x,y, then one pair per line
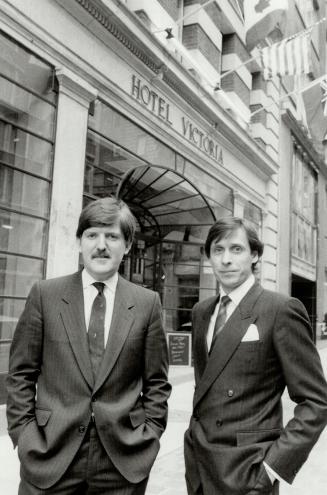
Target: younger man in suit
x,y
87,383
249,344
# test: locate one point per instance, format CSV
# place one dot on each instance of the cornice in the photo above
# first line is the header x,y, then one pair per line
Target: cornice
x,y
75,87
240,197
96,10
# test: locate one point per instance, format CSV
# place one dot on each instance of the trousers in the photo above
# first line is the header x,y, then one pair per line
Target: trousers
x,y
90,473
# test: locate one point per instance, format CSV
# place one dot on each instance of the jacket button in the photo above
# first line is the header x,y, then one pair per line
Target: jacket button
x,y
219,422
94,399
81,429
230,393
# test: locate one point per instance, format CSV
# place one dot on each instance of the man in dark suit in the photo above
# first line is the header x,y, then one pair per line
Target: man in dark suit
x,y
87,383
249,344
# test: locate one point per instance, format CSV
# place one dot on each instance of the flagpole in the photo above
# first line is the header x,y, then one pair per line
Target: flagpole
x,y
239,66
309,86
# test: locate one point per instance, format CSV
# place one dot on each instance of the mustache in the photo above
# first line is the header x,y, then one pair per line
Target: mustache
x,y
101,254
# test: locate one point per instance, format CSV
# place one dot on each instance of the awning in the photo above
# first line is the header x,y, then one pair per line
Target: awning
x,y
163,200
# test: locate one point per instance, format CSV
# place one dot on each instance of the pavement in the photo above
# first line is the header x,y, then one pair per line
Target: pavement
x,y
167,475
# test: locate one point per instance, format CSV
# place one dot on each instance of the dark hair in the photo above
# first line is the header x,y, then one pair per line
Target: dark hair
x,y
224,226
106,211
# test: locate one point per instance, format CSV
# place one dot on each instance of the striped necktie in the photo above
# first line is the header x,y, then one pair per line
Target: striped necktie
x,y
96,327
221,319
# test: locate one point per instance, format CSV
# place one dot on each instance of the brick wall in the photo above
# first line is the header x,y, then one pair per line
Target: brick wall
x,y
260,117
195,38
192,2
258,82
212,10
233,44
233,82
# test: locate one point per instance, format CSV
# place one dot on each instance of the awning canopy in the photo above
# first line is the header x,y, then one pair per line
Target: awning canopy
x,y
163,200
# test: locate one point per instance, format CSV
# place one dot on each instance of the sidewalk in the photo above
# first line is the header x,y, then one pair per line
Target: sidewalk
x,y
167,476
9,472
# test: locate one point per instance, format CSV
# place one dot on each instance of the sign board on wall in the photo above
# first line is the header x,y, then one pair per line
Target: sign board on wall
x,y
166,112
179,348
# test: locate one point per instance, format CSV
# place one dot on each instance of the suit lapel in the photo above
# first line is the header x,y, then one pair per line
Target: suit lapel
x,y
228,340
200,336
72,313
122,319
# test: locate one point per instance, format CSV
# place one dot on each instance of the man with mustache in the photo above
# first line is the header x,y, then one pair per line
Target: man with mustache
x,y
87,383
248,345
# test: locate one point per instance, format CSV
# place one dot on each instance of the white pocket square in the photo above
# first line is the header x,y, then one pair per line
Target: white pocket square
x,y
251,334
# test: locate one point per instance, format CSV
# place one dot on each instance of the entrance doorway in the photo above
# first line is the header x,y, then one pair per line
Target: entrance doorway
x,y
167,255
305,291
142,264
173,269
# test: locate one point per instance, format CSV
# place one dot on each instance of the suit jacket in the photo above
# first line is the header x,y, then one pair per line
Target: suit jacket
x,y
237,412
128,398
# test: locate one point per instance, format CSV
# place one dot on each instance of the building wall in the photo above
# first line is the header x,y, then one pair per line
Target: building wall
x,y
90,49
91,59
284,227
128,68
298,132
322,249
106,51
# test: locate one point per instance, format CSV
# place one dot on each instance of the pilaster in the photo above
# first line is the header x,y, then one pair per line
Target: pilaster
x,y
74,99
239,203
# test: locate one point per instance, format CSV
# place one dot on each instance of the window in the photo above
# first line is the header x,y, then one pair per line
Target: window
x,y
253,215
27,119
304,229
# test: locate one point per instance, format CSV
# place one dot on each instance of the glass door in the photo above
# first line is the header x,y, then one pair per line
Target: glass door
x,y
173,269
142,264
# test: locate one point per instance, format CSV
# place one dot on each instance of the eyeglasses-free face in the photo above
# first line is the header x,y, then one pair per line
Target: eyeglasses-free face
x,y
231,259
103,249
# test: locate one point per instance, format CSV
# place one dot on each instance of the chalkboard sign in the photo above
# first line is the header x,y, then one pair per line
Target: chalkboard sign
x,y
179,348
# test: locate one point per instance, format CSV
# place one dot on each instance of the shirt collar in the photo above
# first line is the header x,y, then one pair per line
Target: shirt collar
x,y
88,280
237,294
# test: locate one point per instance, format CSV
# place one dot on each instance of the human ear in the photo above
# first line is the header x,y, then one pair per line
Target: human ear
x,y
128,247
255,256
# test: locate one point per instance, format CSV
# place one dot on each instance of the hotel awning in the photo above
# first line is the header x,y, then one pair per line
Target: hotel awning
x,y
163,200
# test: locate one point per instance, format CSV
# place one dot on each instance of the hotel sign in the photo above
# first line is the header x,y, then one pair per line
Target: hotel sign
x,y
149,98
202,140
163,110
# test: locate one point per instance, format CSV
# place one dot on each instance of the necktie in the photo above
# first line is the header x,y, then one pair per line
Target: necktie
x,y
96,327
221,319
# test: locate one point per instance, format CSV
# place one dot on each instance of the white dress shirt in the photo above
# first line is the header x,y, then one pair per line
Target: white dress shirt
x,y
90,292
236,296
